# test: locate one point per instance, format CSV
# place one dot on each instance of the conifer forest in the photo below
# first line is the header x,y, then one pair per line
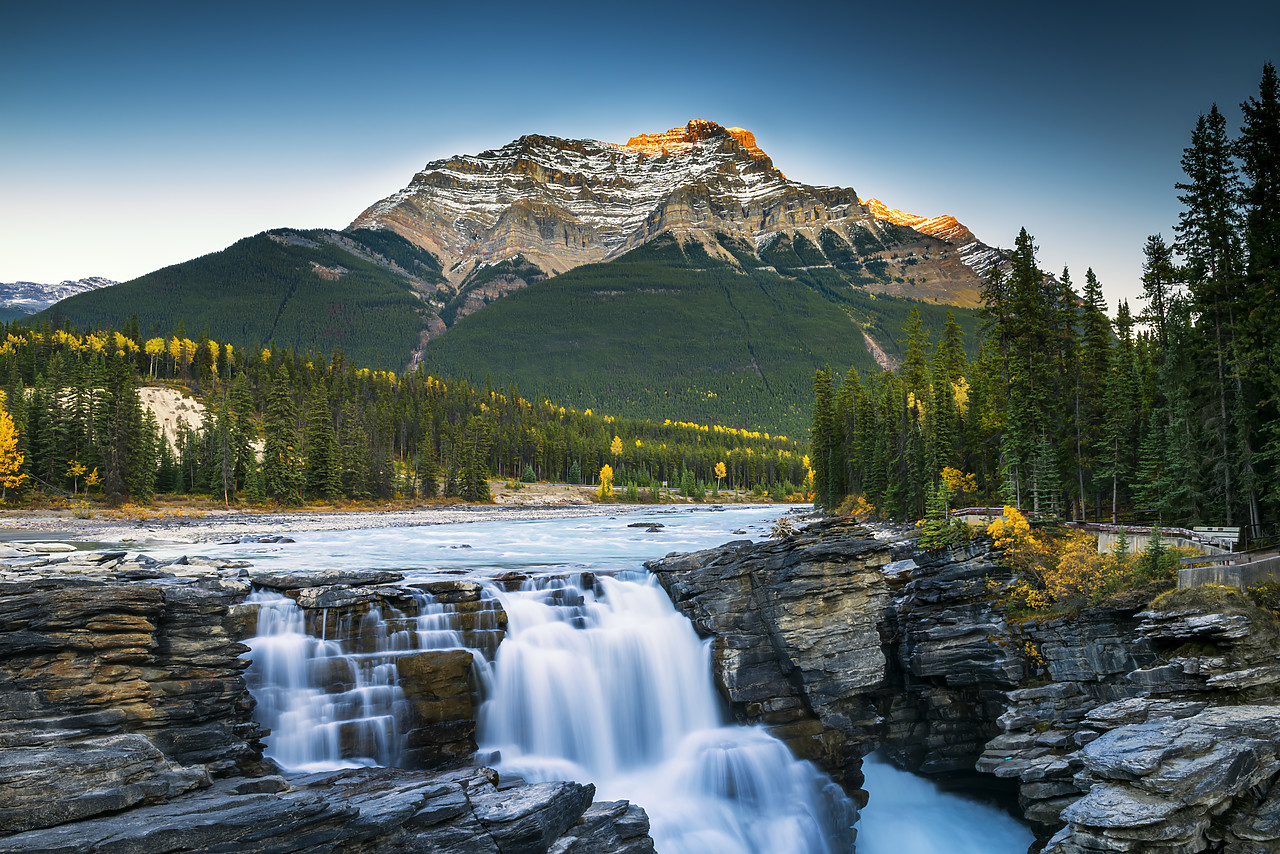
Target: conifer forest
x,y
282,427
1166,411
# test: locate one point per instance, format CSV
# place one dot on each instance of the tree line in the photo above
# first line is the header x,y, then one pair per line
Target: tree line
x,y
286,427
1170,413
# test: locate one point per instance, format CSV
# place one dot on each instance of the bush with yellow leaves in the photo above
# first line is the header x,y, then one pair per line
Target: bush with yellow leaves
x,y
1067,571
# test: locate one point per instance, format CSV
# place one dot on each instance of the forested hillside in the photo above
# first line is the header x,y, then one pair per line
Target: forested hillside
x,y
1166,412
326,429
307,290
669,329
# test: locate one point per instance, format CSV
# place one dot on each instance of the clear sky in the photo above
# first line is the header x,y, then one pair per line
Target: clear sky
x,y
136,135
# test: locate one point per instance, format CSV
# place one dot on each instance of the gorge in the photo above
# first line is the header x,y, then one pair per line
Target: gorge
x,y
544,645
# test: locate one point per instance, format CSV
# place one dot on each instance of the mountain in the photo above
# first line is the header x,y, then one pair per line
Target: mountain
x,y
673,330
680,274
558,204
313,290
19,299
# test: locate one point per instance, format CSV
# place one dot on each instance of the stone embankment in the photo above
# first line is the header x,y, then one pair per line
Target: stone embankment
x,y
126,724
1132,727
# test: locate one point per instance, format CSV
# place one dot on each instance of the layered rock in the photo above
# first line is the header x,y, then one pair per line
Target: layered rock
x,y
126,724
557,204
1180,786
796,645
119,693
381,810
1130,727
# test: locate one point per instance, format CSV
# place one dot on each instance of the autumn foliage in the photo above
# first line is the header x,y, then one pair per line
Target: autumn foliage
x,y
1066,570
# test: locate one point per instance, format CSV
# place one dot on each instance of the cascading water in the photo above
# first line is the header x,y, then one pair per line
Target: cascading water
x,y
616,690
598,679
337,703
294,677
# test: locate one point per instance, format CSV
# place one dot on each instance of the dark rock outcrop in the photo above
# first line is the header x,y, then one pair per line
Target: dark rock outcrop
x,y
126,725
118,694
381,810
1129,727
796,645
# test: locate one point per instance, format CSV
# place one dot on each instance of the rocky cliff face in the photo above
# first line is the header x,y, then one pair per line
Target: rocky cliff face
x,y
562,203
796,645
1125,728
126,724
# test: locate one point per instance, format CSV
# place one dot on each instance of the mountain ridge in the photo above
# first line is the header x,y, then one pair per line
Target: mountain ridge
x,y
562,203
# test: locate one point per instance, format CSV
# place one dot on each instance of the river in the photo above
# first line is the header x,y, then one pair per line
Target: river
x,y
599,679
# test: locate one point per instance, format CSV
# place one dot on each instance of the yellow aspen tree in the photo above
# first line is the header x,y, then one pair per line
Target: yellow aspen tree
x,y
75,471
11,459
606,483
154,348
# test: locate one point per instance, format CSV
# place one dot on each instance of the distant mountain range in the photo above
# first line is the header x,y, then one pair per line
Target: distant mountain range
x,y
680,274
19,299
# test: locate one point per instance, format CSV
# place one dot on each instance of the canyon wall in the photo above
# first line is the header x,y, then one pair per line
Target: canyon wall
x,y
1129,727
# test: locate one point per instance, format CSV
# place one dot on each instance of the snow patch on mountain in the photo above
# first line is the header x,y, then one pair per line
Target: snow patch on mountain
x,y
25,298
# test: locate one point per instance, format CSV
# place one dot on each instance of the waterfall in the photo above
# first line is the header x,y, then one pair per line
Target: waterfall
x,y
609,684
599,679
335,701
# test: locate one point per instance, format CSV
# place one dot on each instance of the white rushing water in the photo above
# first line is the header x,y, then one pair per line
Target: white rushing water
x,y
599,679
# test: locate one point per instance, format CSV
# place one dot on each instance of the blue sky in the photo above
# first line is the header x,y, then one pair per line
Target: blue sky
x,y
136,135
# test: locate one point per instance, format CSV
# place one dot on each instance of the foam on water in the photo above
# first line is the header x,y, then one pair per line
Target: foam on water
x,y
599,679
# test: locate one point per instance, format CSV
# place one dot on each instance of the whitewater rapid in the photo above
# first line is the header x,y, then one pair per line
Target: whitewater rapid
x,y
598,679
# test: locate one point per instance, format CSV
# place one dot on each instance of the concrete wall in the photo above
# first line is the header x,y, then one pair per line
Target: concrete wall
x,y
1242,576
1141,539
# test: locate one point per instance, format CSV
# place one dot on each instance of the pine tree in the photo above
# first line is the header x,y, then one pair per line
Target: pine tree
x,y
1158,281
323,474
1208,235
1259,151
822,443
281,461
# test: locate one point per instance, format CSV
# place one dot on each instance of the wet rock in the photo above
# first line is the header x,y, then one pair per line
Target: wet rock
x,y
316,598
57,782
526,820
796,640
452,590
325,578
1173,785
443,725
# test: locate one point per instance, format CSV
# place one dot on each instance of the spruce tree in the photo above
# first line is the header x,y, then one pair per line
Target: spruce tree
x,y
1159,276
323,474
822,443
1259,151
281,460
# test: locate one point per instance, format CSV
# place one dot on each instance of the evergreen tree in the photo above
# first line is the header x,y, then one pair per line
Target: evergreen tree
x,y
823,443
1259,151
281,461
323,472
1158,281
